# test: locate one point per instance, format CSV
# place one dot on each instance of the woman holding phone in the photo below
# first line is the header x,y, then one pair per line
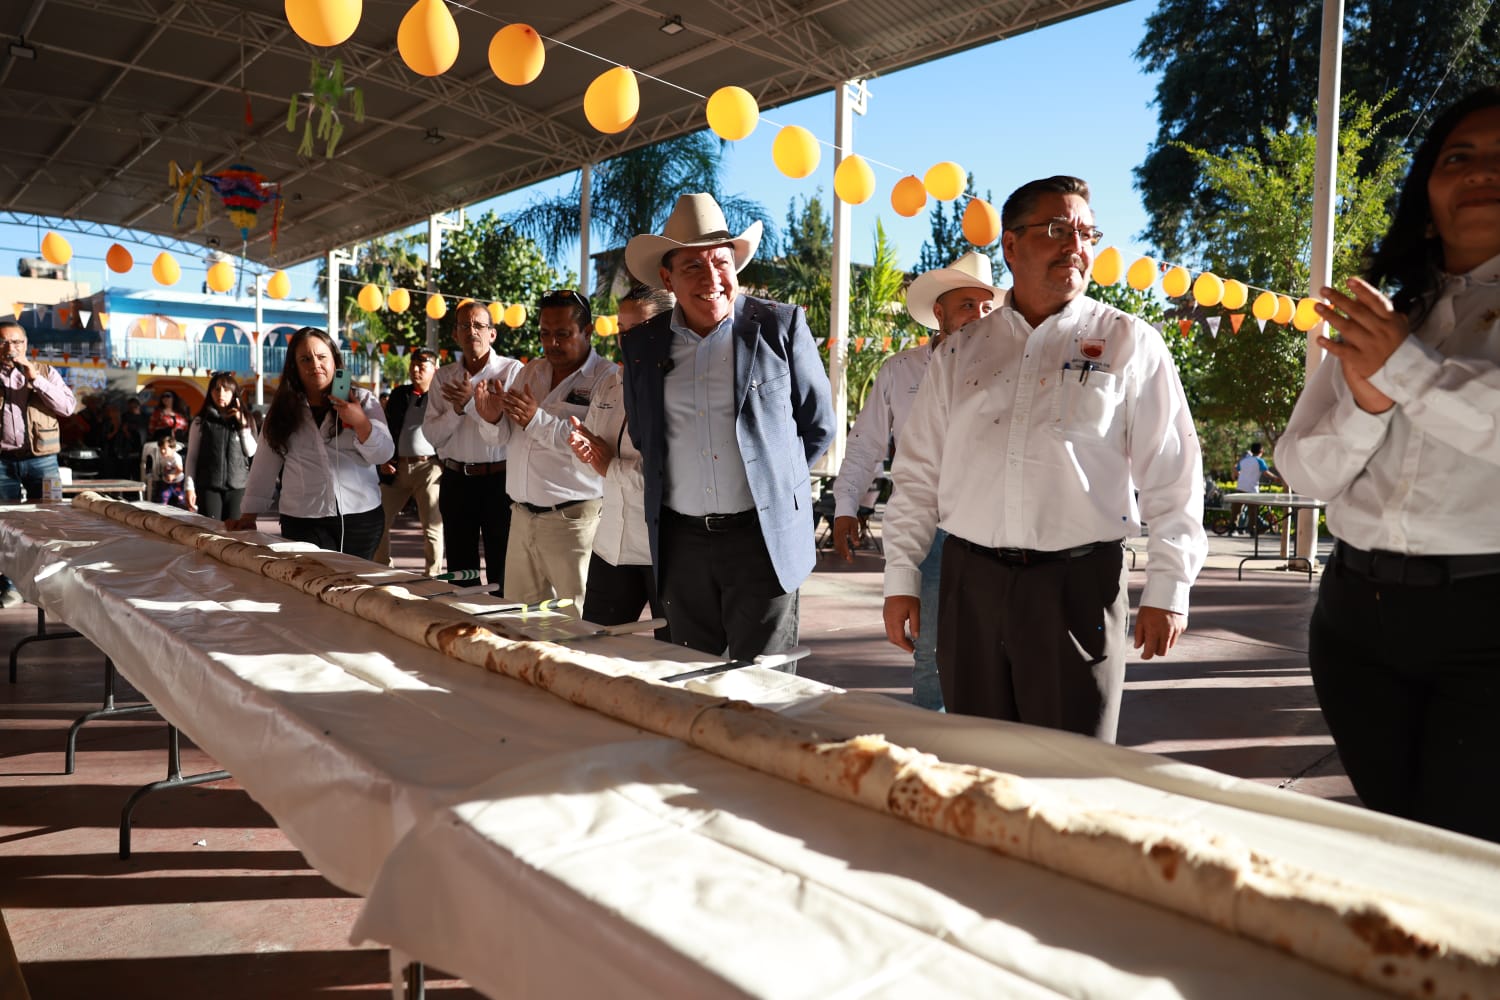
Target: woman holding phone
x,y
220,445
323,446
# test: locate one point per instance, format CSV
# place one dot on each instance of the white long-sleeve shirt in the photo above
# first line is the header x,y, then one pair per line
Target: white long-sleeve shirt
x,y
1006,447
621,539
322,474
883,417
451,432
542,469
1421,478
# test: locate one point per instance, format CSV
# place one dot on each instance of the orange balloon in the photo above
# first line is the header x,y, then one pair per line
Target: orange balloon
x,y
56,249
909,196
165,269
428,38
497,313
732,113
517,54
370,298
1175,282
1142,274
221,276
323,22
118,259
515,315
853,180
795,152
945,180
1109,265
612,100
1285,310
1264,308
981,223
1306,317
1235,294
1208,290
437,306
398,301
280,286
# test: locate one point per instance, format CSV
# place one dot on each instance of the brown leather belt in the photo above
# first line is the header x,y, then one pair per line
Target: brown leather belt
x,y
1030,557
540,509
475,468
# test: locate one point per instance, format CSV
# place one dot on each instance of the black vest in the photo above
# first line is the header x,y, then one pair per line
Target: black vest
x,y
222,464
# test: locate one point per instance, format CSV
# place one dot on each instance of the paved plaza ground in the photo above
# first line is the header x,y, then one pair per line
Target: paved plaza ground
x,y
215,902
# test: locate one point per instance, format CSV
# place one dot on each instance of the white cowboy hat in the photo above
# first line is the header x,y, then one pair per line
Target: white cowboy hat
x,y
972,270
696,221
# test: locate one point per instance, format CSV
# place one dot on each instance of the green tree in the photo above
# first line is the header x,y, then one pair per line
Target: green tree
x,y
1233,71
876,312
633,193
394,261
947,242
1262,236
801,272
487,260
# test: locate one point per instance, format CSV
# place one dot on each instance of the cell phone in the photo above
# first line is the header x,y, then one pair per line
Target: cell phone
x,y
341,384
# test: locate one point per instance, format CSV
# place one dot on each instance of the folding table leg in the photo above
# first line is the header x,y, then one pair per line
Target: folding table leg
x,y
408,978
175,779
109,710
41,636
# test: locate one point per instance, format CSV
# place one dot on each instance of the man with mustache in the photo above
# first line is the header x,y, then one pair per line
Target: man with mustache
x,y
1028,443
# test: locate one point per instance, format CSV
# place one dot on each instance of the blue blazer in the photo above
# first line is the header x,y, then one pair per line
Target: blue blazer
x,y
783,421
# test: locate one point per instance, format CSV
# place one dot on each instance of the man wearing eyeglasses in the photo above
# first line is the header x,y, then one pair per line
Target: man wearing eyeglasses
x,y
728,403
555,500
33,398
1028,442
414,471
471,494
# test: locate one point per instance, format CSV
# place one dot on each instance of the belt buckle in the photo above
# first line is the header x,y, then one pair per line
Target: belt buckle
x,y
717,522
469,468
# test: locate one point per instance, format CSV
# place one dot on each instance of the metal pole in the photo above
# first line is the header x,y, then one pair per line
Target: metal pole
x,y
434,256
1325,187
260,349
585,206
334,257
845,99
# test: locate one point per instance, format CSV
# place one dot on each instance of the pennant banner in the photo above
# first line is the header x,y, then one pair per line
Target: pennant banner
x,y
1213,325
1262,324
1235,319
1185,326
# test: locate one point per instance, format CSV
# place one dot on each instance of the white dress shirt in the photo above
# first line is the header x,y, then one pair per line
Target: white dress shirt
x,y
542,469
1007,447
1421,478
621,539
883,417
705,470
454,436
323,474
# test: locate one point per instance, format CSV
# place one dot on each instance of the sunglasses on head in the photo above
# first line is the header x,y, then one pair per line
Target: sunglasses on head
x,y
568,297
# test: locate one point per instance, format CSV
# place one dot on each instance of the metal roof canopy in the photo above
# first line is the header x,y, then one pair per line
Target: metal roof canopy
x,y
118,88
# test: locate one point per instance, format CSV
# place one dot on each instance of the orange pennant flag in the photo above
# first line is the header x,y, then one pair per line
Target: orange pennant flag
x,y
1185,325
859,343
922,340
885,344
1235,319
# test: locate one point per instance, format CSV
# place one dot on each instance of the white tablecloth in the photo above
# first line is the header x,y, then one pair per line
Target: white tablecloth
x,y
538,849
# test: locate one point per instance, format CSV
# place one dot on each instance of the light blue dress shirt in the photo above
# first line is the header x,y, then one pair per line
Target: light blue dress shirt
x,y
705,471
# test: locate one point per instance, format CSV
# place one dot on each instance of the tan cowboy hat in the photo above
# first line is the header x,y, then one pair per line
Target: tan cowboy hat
x,y
696,221
972,270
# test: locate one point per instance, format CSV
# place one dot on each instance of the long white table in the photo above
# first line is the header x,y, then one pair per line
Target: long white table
x,y
538,849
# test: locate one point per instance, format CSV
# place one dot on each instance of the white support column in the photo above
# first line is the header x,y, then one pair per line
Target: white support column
x,y
334,258
585,207
258,355
849,99
436,225
1325,187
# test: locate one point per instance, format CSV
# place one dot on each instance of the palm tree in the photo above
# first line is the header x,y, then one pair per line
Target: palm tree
x,y
633,193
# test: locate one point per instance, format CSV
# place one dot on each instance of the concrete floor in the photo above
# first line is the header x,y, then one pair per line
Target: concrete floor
x,y
216,903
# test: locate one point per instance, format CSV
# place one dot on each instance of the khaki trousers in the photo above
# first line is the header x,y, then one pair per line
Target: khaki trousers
x,y
415,477
548,553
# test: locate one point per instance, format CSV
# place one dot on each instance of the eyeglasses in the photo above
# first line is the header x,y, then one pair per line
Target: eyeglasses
x,y
568,297
1062,231
471,325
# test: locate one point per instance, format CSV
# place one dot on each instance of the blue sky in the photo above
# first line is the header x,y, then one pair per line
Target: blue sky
x,y
1066,99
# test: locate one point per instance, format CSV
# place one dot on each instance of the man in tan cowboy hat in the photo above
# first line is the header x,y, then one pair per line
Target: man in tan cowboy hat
x,y
729,405
946,299
1028,443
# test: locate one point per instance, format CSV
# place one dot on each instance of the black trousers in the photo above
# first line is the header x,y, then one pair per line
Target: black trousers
x,y
1043,643
475,506
1408,678
615,595
220,504
720,591
355,534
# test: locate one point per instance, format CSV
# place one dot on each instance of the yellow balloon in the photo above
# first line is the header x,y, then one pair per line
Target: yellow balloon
x,y
515,315
427,38
1285,310
1235,294
601,326
1208,290
1142,274
732,113
795,151
118,259
944,181
612,100
517,54
909,196
1175,282
437,306
1305,317
1109,266
370,298
221,276
398,301
1264,308
981,225
323,22
463,303
497,313
853,180
279,286
165,269
56,250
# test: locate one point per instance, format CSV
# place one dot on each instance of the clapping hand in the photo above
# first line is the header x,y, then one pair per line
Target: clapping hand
x,y
521,406
591,449
1370,329
458,392
489,400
